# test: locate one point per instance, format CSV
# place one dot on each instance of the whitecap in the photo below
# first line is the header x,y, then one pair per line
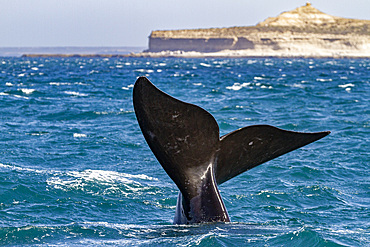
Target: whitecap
x,y
109,179
140,70
77,135
16,168
237,86
107,176
26,90
9,84
75,93
59,83
346,85
14,95
297,85
144,70
80,83
323,80
128,87
36,134
205,65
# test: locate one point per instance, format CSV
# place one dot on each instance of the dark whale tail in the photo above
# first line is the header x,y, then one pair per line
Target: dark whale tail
x,y
185,140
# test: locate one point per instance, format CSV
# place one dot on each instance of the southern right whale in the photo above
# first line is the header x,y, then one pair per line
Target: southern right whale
x,y
185,140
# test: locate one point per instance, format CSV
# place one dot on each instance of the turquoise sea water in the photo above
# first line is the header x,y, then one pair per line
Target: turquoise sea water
x,y
75,169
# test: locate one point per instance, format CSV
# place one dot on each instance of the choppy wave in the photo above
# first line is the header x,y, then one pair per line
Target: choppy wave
x,y
103,233
75,169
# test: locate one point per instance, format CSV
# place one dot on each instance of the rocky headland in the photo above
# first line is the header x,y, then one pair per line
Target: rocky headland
x,y
302,32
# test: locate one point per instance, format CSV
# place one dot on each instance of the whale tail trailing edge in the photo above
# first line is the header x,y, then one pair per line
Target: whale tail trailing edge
x,y
185,140
251,146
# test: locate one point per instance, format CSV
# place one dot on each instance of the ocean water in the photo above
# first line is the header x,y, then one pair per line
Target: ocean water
x,y
75,169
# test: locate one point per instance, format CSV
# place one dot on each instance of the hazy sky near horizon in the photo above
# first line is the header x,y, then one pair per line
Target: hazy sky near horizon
x,y
38,23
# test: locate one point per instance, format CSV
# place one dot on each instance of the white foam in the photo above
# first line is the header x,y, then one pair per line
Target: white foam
x,y
15,168
110,179
59,83
297,85
36,134
140,70
9,84
14,95
324,80
128,87
77,135
89,175
237,86
205,65
346,85
75,93
107,176
26,90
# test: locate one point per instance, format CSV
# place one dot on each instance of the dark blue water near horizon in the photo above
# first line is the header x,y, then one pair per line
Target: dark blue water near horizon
x,y
75,169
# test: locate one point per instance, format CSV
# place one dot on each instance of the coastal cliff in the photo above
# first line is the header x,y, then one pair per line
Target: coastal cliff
x,y
302,32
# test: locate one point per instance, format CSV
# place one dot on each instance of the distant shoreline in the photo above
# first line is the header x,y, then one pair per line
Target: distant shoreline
x,y
76,55
221,54
69,50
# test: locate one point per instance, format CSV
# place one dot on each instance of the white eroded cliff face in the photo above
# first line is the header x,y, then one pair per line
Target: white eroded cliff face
x,y
304,32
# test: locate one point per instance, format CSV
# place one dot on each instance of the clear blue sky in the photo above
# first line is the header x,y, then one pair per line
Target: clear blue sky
x,y
129,22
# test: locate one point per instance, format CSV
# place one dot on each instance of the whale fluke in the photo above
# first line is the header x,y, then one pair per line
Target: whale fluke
x,y
251,146
185,140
